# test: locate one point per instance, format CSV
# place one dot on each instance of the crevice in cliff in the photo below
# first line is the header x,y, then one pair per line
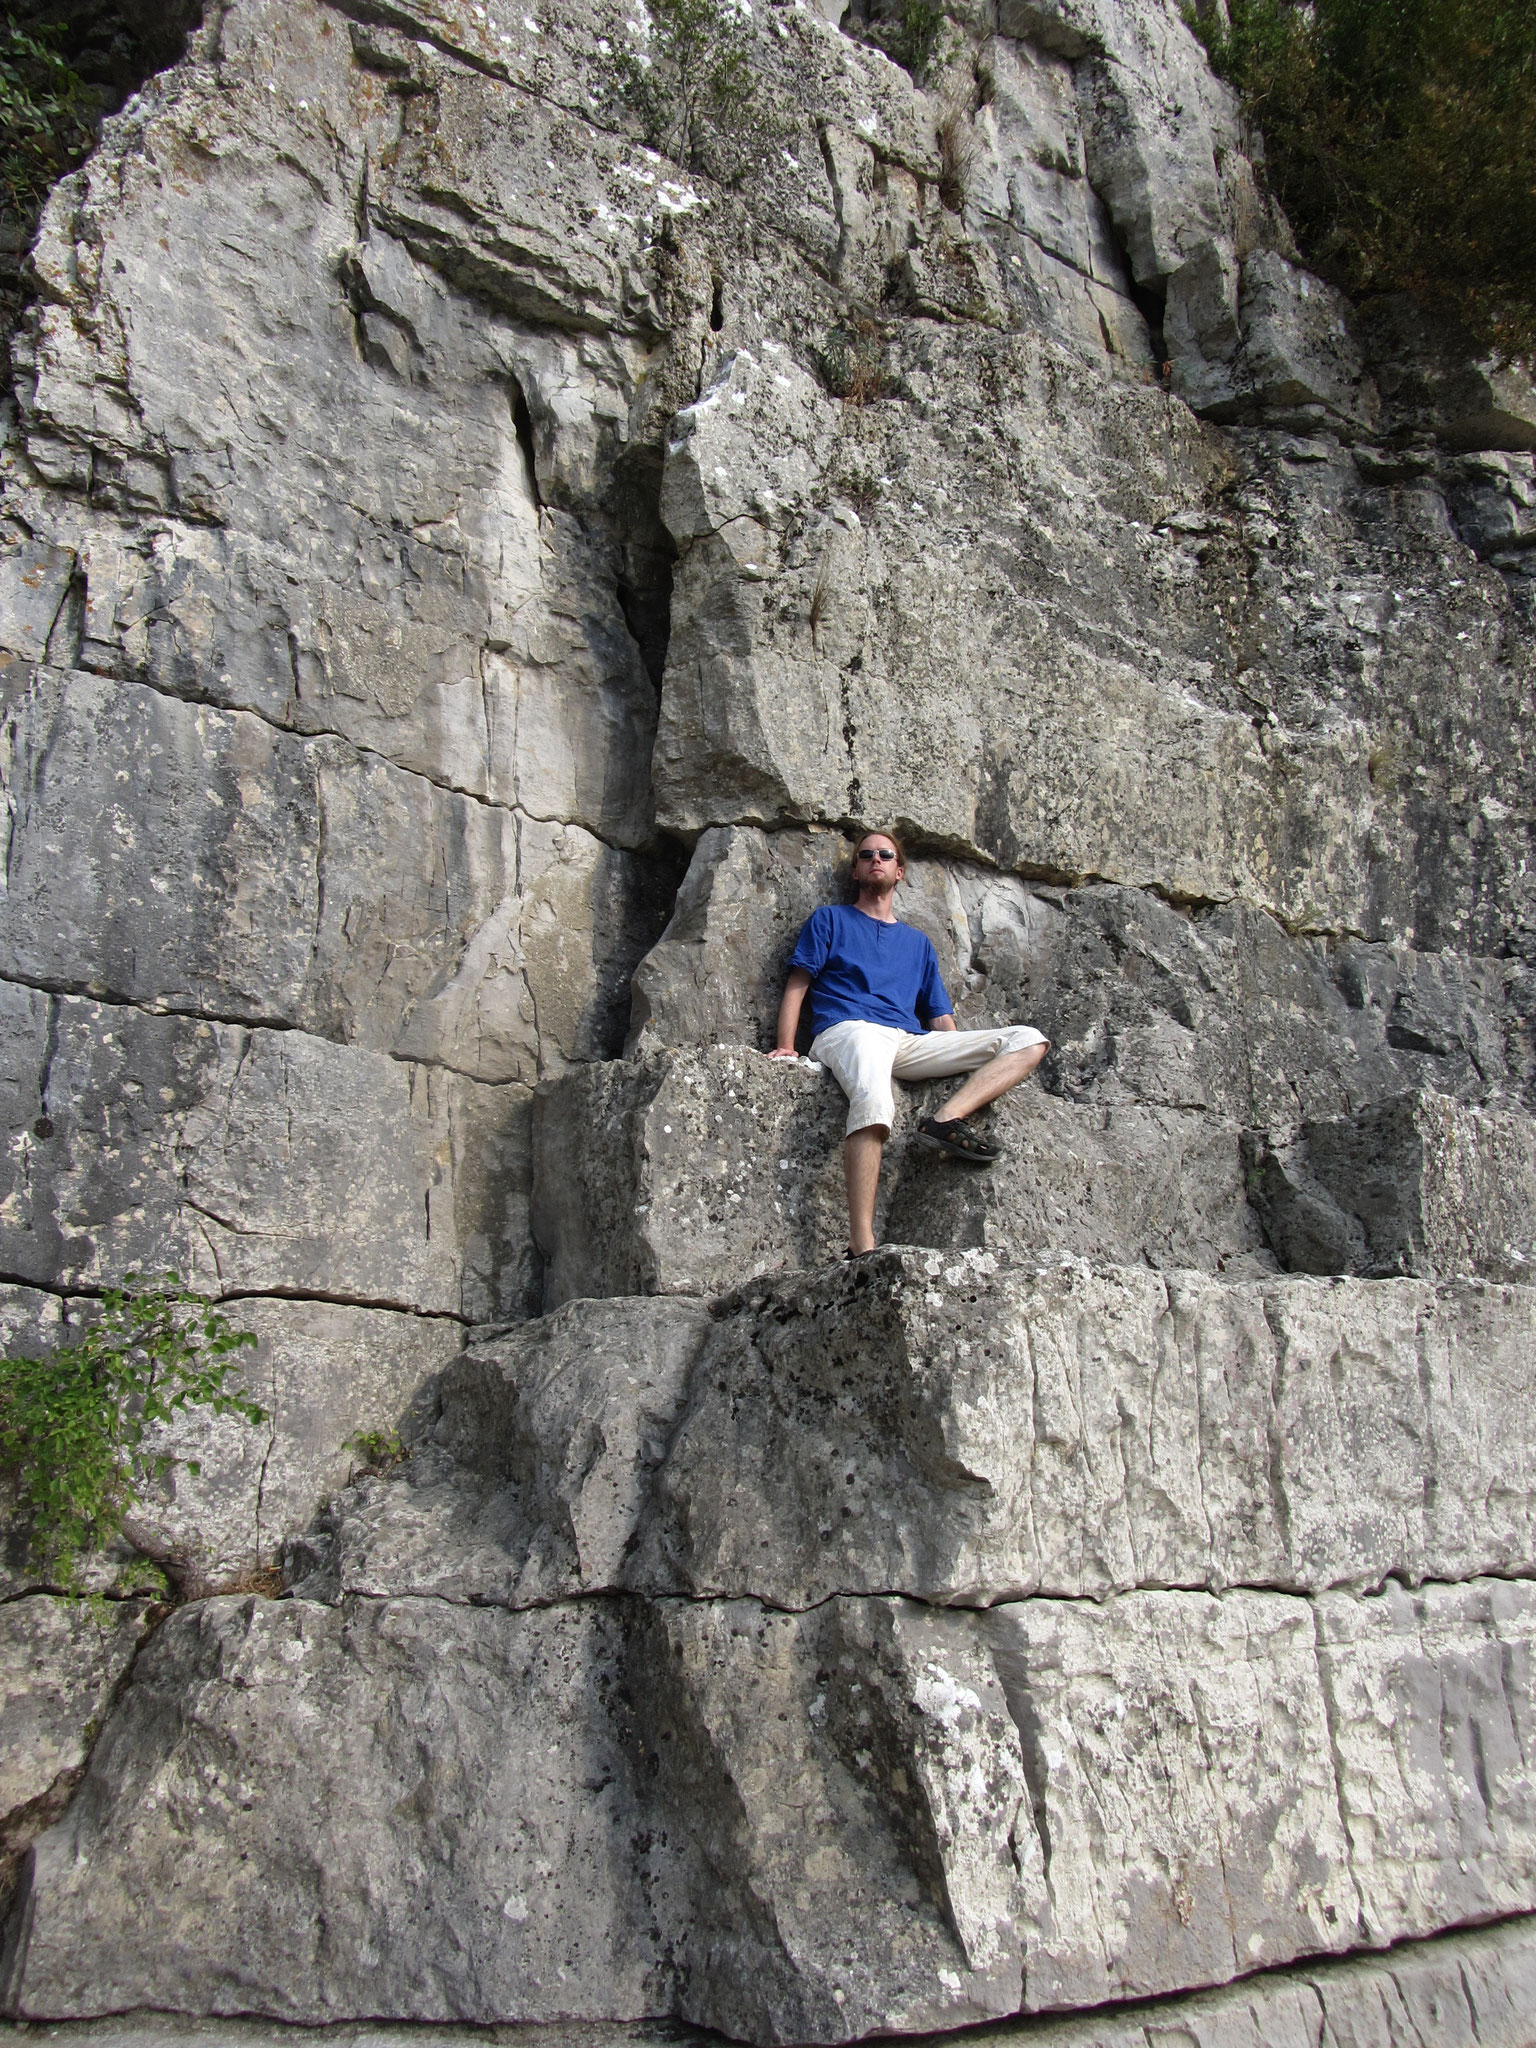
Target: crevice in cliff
x,y
742,1595
94,1290
647,555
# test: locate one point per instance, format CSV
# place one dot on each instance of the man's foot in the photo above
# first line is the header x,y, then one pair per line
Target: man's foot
x,y
958,1136
867,1253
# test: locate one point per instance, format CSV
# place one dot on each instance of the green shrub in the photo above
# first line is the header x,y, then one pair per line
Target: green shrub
x,y
692,84
1401,141
76,1427
48,115
378,1448
852,362
918,28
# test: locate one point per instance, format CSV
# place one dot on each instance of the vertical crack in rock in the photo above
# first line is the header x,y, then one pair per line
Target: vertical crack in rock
x,y
522,422
647,553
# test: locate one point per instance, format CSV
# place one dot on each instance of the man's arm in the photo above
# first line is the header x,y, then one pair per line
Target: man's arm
x,y
789,1013
944,1023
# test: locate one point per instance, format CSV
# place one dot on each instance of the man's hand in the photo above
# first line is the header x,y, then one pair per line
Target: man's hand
x,y
783,1052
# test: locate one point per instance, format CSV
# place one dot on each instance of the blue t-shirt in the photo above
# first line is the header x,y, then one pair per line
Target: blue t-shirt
x,y
860,968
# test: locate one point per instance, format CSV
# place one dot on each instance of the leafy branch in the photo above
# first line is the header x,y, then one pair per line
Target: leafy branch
x,y
48,115
690,82
78,1428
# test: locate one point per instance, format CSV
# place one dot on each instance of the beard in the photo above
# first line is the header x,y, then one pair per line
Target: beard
x,y
883,883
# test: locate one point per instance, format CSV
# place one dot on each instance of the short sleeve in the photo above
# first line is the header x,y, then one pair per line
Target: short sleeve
x,y
933,998
814,943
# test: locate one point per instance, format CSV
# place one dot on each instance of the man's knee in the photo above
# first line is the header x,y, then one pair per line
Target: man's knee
x,y
1024,1038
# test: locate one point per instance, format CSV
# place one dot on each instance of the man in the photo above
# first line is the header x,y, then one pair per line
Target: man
x,y
874,983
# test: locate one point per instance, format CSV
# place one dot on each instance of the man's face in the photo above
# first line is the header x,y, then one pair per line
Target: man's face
x,y
875,864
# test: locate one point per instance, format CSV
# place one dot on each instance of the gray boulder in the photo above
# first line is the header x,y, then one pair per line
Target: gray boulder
x,y
1417,1184
374,907
61,1661
965,1775
255,1161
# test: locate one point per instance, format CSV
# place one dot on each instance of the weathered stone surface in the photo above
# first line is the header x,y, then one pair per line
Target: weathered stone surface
x,y
325,1374
548,1876
931,1425
365,351
769,716
1477,1987
1432,1696
462,1876
1222,1010
229,868
536,1480
1418,1184
34,582
1182,1775
682,1173
60,1663
256,1160
462,601
964,1776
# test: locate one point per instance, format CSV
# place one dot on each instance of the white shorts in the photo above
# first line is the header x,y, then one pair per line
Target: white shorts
x,y
866,1057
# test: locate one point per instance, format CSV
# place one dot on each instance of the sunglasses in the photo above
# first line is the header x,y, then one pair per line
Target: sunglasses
x,y
876,853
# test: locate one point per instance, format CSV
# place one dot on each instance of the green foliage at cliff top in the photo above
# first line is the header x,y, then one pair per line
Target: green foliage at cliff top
x,y
48,115
1401,141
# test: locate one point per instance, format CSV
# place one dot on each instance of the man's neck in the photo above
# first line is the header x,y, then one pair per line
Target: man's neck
x,y
878,904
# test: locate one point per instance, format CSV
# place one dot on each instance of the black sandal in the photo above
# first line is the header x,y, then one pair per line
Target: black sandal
x,y
959,1137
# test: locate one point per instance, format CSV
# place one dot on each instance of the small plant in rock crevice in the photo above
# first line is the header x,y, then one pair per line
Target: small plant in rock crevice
x,y
80,1428
377,1449
852,362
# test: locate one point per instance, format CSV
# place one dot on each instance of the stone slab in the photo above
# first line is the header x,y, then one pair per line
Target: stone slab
x,y
687,1172
767,718
535,1481
932,1424
1418,1184
990,1812
254,1161
1467,1990
326,1373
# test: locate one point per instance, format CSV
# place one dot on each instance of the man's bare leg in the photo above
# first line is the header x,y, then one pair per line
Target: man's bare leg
x,y
990,1081
862,1152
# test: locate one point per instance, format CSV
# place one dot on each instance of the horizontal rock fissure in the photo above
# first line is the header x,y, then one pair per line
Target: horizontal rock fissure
x,y
306,734
584,1596
88,1290
112,2028
77,992
1303,1968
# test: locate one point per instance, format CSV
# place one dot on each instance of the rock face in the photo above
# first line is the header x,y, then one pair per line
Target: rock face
x,y
475,538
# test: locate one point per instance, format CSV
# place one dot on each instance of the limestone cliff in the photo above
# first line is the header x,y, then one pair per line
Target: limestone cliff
x,y
462,572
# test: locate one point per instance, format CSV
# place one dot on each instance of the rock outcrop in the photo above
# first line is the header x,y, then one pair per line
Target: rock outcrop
x,y
463,572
